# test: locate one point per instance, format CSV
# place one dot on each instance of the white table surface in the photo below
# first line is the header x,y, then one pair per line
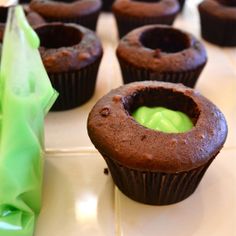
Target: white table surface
x,y
79,199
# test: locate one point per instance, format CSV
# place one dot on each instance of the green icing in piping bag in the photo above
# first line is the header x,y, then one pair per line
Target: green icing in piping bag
x,y
26,95
163,119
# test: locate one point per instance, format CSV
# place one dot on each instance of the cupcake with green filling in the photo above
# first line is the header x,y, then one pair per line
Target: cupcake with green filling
x,y
157,138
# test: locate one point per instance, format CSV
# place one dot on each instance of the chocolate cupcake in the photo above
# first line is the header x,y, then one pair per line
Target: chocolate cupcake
x,y
131,14
83,12
218,21
161,53
151,166
71,61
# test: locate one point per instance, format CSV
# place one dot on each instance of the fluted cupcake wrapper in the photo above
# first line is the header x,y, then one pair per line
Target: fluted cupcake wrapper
x,y
181,3
131,74
155,188
88,21
218,31
75,87
127,23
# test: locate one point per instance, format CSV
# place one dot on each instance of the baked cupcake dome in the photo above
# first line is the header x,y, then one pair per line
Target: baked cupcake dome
x,y
83,12
71,61
218,21
161,53
131,14
151,166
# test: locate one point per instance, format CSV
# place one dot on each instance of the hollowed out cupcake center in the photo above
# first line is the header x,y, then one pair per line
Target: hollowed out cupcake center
x,y
57,36
167,40
168,110
229,3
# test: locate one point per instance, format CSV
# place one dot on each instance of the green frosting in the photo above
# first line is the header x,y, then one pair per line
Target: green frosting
x,y
163,119
26,95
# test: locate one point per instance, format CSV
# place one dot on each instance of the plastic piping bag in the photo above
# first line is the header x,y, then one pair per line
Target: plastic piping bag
x,y
26,95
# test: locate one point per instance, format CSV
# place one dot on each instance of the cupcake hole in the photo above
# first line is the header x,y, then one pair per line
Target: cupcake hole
x,y
57,36
167,40
229,3
165,98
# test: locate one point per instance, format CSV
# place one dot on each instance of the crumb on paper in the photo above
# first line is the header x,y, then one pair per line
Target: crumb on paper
x,y
106,171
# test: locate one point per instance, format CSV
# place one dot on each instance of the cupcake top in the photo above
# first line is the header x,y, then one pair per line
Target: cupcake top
x,y
162,48
116,134
67,8
67,47
220,8
150,8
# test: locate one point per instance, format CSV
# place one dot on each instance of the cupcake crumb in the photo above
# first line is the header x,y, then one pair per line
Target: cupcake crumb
x,y
157,53
105,111
116,98
106,171
143,137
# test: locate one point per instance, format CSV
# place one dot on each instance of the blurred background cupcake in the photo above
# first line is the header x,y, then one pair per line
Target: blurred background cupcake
x,y
218,21
83,12
131,14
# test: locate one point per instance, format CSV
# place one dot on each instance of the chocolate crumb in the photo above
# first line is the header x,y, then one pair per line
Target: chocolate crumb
x,y
157,53
84,56
106,171
116,98
105,111
143,137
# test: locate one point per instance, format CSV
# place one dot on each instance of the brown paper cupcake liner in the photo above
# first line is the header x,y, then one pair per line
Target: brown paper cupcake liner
x,y
155,188
89,21
75,87
126,23
218,32
132,74
181,3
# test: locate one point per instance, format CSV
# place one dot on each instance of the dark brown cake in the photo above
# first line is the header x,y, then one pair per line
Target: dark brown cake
x,y
71,55
83,12
161,53
33,17
131,14
218,21
151,166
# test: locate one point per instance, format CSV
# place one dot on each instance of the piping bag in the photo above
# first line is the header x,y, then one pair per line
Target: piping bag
x,y
26,95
